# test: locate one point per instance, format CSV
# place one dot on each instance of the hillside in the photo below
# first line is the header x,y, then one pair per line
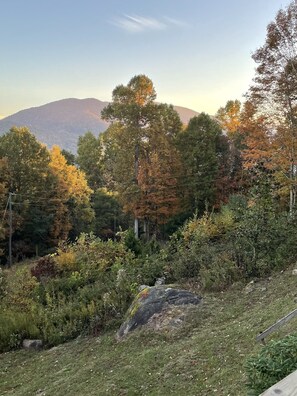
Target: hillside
x,y
206,358
63,121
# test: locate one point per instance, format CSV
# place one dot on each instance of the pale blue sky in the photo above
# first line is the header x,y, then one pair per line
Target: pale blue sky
x,y
198,53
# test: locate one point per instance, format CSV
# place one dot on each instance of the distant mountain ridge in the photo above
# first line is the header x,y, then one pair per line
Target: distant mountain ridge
x,y
63,121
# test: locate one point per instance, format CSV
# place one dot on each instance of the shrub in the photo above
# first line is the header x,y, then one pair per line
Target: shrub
x,y
85,300
147,269
275,361
186,262
131,242
95,256
14,327
66,261
20,292
3,283
44,269
219,273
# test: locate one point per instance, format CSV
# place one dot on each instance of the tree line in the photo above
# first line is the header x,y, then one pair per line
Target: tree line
x,y
148,170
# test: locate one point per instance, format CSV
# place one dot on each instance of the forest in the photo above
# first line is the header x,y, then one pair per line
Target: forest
x,y
214,201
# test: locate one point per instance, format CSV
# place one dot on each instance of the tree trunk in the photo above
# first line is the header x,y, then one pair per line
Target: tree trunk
x,y
136,225
136,165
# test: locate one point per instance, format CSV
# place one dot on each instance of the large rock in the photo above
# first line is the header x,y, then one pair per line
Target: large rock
x,y
32,344
157,307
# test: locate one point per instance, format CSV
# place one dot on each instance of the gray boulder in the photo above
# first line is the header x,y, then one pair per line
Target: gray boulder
x,y
32,344
157,307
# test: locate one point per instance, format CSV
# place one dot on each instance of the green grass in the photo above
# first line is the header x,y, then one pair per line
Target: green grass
x,y
206,357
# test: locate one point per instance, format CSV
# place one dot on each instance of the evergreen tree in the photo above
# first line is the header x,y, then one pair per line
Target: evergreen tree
x,y
89,158
198,145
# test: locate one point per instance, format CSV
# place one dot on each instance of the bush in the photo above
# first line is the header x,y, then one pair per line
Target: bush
x,y
3,284
66,261
94,287
59,323
20,292
219,273
131,242
14,327
94,255
275,361
187,261
45,268
147,269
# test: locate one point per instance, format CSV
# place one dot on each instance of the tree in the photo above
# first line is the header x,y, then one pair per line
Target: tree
x,y
198,145
3,200
28,177
141,130
89,158
73,210
229,118
257,138
70,157
108,213
132,107
160,169
274,91
27,161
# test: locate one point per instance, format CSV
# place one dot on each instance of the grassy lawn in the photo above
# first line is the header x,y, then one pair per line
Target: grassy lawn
x,y
204,358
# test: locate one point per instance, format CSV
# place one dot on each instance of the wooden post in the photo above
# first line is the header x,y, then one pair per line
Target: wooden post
x,y
285,387
275,326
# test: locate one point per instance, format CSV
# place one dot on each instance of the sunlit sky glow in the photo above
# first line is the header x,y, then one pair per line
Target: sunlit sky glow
x,y
198,53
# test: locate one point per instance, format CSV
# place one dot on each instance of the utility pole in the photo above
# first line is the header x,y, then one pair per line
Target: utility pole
x,y
10,229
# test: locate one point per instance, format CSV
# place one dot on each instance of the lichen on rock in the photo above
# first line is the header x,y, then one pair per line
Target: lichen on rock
x,y
158,307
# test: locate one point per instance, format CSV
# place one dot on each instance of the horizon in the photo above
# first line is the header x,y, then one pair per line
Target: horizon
x,y
197,55
89,98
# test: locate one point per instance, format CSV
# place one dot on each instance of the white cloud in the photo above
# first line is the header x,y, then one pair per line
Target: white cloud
x,y
137,23
175,22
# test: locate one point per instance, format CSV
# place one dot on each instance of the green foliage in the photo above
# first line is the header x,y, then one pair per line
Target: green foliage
x,y
108,214
3,283
14,327
27,160
131,242
20,291
27,163
219,273
198,146
49,199
89,159
82,289
70,158
275,361
249,237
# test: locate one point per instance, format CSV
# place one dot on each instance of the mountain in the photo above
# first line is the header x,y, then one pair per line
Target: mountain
x,y
63,121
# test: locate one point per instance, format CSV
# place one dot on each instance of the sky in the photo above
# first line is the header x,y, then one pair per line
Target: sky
x,y
196,52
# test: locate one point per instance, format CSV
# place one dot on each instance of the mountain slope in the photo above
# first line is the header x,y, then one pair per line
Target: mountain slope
x,y
60,122
63,121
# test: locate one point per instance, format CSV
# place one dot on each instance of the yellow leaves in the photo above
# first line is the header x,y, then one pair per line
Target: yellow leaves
x,y
209,225
72,181
229,117
66,261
